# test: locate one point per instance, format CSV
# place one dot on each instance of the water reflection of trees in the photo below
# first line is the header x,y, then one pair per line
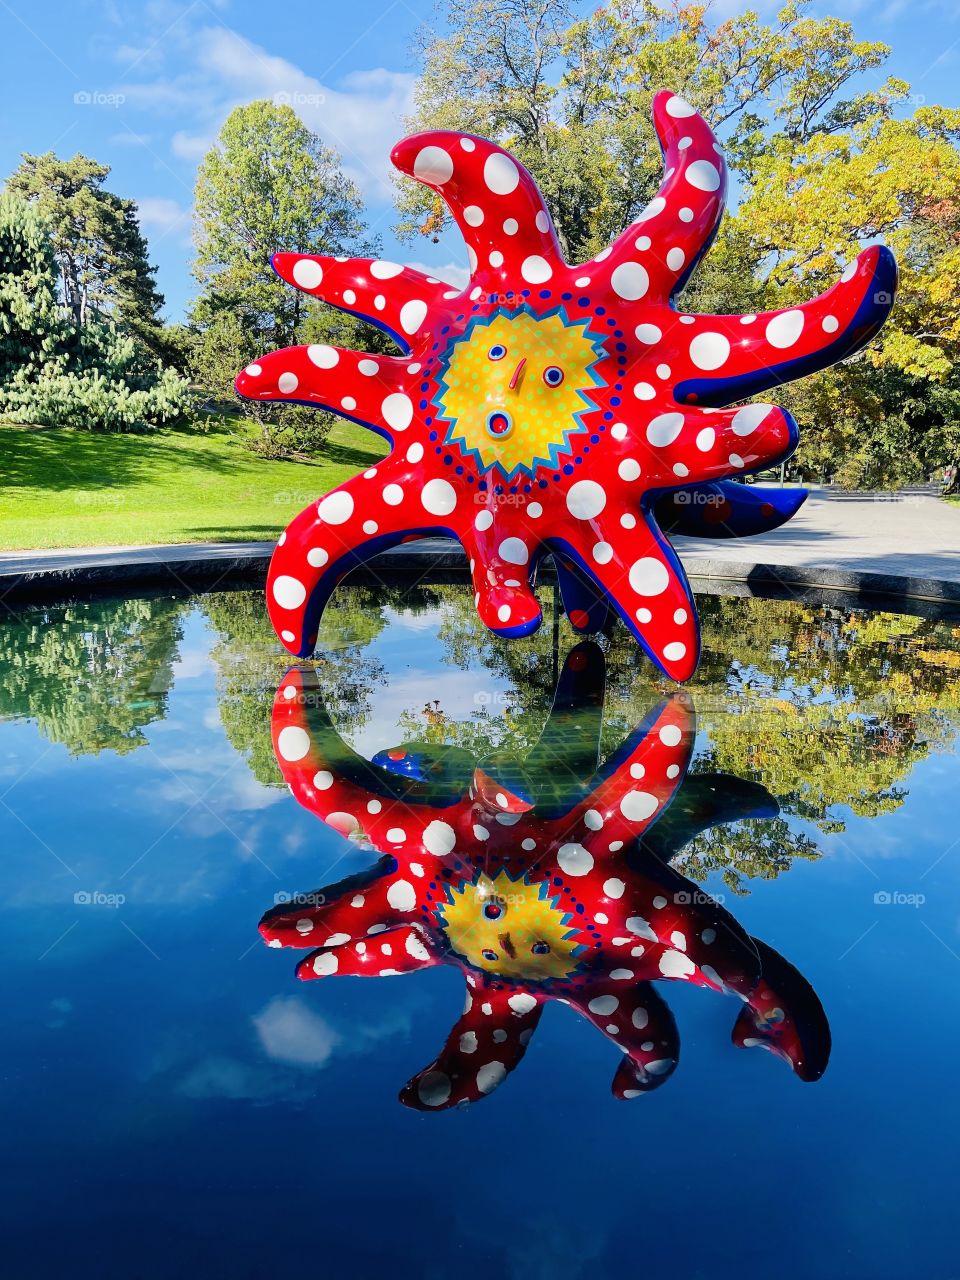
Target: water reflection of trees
x,y
91,675
830,710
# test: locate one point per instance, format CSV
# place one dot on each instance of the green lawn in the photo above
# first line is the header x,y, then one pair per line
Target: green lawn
x,y
64,488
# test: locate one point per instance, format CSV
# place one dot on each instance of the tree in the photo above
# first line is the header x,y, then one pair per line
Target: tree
x,y
822,164
55,372
98,246
267,185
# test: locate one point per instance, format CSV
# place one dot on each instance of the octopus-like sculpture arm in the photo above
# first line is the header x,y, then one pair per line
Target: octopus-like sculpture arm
x,y
548,408
534,895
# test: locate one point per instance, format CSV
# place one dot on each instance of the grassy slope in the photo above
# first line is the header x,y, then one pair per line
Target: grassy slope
x,y
63,488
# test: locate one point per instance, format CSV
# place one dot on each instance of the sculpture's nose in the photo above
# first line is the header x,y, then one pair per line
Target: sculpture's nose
x,y
517,375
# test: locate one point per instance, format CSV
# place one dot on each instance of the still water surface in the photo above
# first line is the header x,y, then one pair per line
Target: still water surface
x,y
177,1102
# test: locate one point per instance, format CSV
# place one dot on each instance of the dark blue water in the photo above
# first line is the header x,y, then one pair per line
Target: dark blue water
x,y
176,1103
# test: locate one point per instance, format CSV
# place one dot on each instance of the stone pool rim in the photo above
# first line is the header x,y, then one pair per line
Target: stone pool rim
x,y
85,573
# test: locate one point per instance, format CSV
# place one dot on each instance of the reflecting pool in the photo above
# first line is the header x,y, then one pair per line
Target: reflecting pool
x,y
586,903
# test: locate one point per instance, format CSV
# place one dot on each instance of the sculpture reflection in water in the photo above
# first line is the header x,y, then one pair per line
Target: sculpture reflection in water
x,y
546,880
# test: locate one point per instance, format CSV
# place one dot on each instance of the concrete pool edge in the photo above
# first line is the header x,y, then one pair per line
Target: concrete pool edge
x,y
26,576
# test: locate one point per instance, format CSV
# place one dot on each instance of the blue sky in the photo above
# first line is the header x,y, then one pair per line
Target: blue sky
x,y
144,87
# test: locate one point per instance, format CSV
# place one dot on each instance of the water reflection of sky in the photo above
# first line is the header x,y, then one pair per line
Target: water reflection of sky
x,y
178,1104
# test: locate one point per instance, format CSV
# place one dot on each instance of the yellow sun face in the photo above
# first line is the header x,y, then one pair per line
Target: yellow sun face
x,y
514,387
511,928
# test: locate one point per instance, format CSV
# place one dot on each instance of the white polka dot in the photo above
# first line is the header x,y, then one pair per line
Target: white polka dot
x,y
369,368
672,770
614,888
293,743
325,963
439,838
542,221
528,844
586,499
317,557
703,175
674,651
380,301
496,258
393,495
504,612
644,391
679,616
288,592
648,333
288,636
663,371
637,770
628,521
370,526
849,271
348,403
473,215
582,281
307,273
402,896
500,173
675,258
483,521
323,780
630,281
468,144
643,243
593,819
649,576
746,420
709,936
336,507
433,1088
438,497
629,469
514,551
706,439
784,330
253,370
534,510
481,833
412,315
674,964
679,108
602,553
644,615
619,431
641,927
468,1042
621,975
830,325
323,356
574,860
656,205
636,806
288,382
396,835
490,1075
535,270
736,461
671,735
349,297
681,469
433,164
415,453
665,428
510,226
604,1005
522,1002
709,350
397,410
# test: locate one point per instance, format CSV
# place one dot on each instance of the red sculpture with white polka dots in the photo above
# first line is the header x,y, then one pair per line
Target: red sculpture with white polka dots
x,y
535,897
547,408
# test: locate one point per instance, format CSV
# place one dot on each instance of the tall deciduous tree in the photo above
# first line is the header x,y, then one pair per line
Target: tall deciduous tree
x,y
267,185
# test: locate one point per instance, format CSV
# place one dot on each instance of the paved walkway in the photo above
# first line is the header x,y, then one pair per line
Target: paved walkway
x,y
907,543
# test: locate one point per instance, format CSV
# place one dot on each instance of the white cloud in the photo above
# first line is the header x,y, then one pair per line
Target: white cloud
x,y
452,273
290,1032
160,216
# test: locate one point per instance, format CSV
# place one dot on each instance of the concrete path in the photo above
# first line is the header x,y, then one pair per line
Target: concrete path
x,y
905,544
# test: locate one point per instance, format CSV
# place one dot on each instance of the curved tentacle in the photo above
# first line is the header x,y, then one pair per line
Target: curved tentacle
x,y
364,515
642,576
726,509
386,954
500,569
486,1043
784,1015
496,204
639,1023
656,254
692,445
707,800
365,389
395,298
743,356
637,783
